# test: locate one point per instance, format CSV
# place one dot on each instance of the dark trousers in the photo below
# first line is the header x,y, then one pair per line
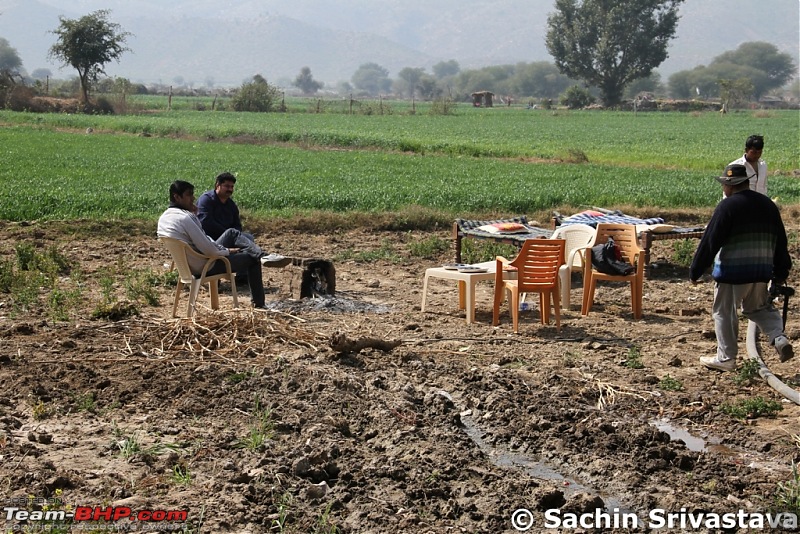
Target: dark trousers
x,y
247,260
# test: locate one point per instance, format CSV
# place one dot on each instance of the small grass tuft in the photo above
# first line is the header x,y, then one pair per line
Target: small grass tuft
x,y
385,253
787,494
41,410
236,378
85,402
116,311
140,286
752,408
181,475
668,383
284,506
747,373
261,429
634,359
683,252
478,251
430,248
129,446
324,525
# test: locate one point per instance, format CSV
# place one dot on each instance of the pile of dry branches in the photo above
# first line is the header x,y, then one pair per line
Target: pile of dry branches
x,y
223,337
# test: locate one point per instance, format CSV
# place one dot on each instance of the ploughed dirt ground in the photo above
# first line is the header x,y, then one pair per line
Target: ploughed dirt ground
x,y
252,422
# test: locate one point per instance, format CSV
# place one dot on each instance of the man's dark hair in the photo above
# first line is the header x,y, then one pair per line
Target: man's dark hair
x,y
754,141
224,177
178,187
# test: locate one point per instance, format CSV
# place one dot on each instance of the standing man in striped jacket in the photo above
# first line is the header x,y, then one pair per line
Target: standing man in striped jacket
x,y
745,244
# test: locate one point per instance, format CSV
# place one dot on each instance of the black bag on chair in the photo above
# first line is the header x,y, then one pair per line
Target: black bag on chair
x,y
606,258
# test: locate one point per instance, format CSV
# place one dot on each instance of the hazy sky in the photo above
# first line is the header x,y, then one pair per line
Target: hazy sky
x,y
234,39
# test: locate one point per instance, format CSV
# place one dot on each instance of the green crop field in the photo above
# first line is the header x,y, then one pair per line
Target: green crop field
x,y
477,161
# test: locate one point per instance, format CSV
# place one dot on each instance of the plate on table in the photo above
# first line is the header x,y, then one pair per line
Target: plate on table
x,y
472,269
454,266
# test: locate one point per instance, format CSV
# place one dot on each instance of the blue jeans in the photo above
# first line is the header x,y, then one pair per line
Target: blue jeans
x,y
247,260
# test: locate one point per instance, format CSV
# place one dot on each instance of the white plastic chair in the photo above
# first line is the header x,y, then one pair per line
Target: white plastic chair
x,y
577,236
180,253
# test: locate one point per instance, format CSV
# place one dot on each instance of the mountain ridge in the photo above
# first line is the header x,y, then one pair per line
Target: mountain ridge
x,y
206,41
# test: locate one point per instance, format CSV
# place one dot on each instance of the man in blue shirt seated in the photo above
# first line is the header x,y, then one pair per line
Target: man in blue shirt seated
x,y
218,213
180,222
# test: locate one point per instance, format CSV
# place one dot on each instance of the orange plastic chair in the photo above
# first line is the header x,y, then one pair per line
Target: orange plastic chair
x,y
180,252
624,236
537,266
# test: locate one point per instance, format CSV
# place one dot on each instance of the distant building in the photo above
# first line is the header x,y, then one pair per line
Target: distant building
x,y
482,98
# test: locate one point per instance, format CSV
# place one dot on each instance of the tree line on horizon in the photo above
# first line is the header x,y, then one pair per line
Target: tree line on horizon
x,y
601,51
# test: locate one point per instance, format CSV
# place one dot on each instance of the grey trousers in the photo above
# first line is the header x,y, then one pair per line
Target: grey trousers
x,y
756,305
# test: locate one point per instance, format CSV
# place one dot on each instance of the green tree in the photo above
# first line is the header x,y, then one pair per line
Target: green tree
x,y
540,79
610,43
703,82
648,84
88,44
794,89
372,79
681,84
306,82
777,67
409,78
10,63
257,95
443,69
733,92
41,74
428,88
471,80
498,79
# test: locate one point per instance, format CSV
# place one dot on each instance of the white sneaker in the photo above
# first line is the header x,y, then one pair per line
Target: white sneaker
x,y
713,363
784,348
275,260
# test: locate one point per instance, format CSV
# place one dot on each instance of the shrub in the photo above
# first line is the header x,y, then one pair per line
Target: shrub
x,y
669,383
443,106
683,252
479,251
748,372
257,95
6,275
16,97
101,106
429,248
576,97
634,359
752,408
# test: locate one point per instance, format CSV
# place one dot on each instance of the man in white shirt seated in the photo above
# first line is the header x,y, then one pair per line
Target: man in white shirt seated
x,y
179,221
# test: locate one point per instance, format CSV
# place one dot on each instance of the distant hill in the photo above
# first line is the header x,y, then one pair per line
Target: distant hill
x,y
209,41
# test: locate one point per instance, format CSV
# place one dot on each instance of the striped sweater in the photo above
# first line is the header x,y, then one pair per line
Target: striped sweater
x,y
745,241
